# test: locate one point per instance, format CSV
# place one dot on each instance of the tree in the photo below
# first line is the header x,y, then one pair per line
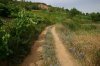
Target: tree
x,y
95,16
67,10
73,12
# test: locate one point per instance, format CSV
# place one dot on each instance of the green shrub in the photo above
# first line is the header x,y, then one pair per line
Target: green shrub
x,y
73,25
4,49
95,17
73,12
4,11
1,22
88,27
14,10
15,39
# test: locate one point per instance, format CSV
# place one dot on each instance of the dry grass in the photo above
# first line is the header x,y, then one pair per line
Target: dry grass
x,y
49,54
84,45
88,44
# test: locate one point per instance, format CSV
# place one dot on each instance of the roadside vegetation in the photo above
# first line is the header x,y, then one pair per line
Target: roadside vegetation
x,y
18,30
80,34
82,41
49,54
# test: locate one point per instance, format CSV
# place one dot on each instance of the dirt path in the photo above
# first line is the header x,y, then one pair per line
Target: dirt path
x,y
35,57
64,57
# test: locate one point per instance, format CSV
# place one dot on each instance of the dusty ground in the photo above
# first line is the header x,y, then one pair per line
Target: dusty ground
x,y
35,57
64,57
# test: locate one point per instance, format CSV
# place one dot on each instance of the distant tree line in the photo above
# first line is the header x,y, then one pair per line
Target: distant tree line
x,y
74,12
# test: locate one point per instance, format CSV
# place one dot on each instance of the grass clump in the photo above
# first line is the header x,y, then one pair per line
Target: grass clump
x,y
49,51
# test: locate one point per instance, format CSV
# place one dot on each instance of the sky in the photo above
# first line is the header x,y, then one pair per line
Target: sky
x,y
82,5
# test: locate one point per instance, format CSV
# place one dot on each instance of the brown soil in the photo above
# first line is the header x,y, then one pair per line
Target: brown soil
x,y
35,56
64,57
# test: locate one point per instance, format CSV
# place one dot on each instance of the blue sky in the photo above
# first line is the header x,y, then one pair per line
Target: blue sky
x,y
82,5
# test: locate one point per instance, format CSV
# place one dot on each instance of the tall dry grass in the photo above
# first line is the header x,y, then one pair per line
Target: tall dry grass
x,y
83,44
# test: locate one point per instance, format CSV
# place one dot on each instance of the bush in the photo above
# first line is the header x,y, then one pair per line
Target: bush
x,y
72,25
14,10
88,27
4,37
4,11
73,12
95,16
1,22
15,39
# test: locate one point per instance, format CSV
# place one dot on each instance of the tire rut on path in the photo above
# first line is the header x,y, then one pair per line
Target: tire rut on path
x,y
35,56
64,57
